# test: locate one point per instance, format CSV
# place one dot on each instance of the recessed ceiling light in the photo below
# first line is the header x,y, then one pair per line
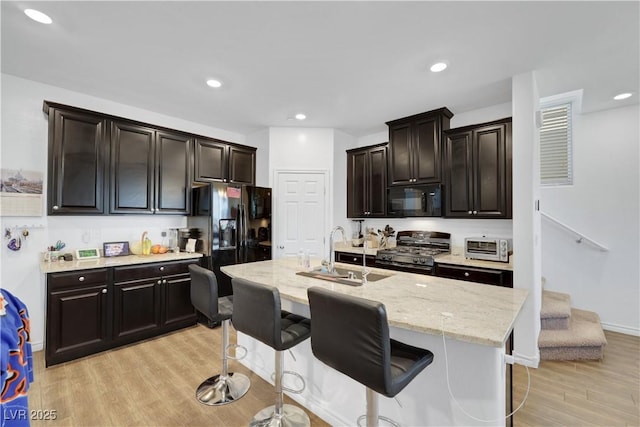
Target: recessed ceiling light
x,y
38,16
214,83
438,66
300,116
621,96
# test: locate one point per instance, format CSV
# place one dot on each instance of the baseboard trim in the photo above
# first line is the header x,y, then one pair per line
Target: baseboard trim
x,y
37,346
619,328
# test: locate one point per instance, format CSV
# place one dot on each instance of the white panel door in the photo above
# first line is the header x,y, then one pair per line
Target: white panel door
x,y
300,220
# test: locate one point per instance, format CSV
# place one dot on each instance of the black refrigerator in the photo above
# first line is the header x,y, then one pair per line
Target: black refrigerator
x,y
234,223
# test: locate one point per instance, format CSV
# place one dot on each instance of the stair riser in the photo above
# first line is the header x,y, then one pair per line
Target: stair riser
x,y
572,353
555,323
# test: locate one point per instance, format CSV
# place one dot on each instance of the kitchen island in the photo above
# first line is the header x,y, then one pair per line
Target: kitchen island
x,y
476,325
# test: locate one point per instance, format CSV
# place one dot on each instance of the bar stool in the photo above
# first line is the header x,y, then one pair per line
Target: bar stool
x,y
257,313
351,335
225,387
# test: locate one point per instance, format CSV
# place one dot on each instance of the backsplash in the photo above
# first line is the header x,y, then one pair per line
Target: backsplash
x,y
458,228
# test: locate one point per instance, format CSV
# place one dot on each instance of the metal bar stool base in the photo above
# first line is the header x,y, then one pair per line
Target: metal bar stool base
x,y
292,416
219,390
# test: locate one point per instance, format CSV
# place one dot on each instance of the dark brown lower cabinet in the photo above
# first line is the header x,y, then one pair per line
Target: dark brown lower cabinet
x,y
353,258
136,309
77,315
475,274
89,311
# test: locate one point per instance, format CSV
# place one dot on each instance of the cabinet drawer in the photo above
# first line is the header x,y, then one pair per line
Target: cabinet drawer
x,y
351,258
77,278
128,273
478,275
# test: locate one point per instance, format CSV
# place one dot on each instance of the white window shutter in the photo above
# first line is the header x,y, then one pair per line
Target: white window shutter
x,y
555,146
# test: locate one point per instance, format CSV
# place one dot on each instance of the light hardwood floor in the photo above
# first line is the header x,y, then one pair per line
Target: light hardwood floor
x,y
586,393
153,383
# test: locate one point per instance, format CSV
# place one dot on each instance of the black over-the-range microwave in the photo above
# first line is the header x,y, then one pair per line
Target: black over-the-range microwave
x,y
414,200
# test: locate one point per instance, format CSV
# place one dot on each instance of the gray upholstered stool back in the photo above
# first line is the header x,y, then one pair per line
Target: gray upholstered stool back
x,y
204,294
257,313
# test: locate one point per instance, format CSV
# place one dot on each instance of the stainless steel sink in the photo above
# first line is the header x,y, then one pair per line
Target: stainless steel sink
x,y
352,277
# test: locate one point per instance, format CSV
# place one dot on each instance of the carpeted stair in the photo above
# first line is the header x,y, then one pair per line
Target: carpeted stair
x,y
568,333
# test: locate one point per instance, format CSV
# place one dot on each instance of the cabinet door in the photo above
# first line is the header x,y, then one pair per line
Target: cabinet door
x,y
137,309
77,154
458,175
490,175
77,322
357,177
173,179
426,150
177,301
132,168
377,177
210,160
242,165
400,160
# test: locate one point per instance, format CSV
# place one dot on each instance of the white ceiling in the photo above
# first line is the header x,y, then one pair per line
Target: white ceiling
x,y
347,65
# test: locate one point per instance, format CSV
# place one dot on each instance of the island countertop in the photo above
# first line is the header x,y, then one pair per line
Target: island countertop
x,y
480,314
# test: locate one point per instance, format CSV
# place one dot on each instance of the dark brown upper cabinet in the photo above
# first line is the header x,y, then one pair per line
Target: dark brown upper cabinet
x,y
367,181
219,161
78,149
478,171
415,147
150,170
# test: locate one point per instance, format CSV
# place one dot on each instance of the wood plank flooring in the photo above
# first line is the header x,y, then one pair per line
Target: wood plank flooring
x,y
585,393
153,383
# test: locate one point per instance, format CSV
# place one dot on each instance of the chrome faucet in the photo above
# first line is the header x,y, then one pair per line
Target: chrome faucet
x,y
365,272
332,254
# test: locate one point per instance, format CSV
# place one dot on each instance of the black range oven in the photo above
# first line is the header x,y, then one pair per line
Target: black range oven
x,y
414,251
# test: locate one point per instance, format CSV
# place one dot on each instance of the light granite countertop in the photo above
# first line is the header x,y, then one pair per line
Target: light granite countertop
x,y
481,314
61,266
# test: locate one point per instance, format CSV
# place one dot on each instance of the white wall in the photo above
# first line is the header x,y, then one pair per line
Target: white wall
x,y
526,220
603,203
24,146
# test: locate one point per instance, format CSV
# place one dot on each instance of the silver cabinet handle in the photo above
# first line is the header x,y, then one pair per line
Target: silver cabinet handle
x,y
104,291
475,212
81,278
161,268
470,212
281,247
159,282
355,259
466,274
165,281
55,208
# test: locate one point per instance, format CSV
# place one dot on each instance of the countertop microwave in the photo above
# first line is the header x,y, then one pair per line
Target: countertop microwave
x,y
414,200
488,248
